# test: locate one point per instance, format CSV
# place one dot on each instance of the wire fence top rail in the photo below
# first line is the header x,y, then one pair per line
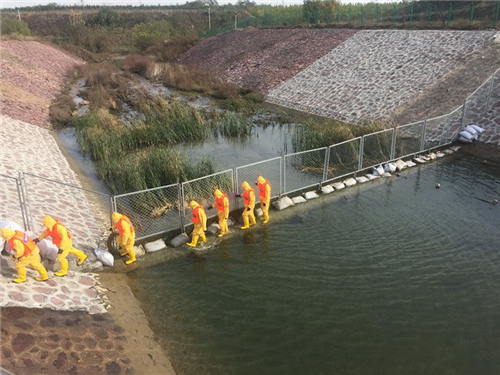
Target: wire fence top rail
x,y
66,184
145,190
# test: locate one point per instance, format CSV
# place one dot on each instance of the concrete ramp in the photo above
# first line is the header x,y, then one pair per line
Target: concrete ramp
x,y
374,72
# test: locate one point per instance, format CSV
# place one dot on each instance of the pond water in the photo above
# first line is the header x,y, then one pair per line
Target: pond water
x,y
390,277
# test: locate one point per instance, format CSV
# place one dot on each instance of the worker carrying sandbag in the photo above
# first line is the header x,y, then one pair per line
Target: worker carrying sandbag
x,y
25,252
249,200
62,239
222,206
126,235
265,197
199,220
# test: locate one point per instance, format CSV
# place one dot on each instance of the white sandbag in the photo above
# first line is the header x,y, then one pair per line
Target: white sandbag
x,y
213,228
47,249
370,176
10,225
349,182
478,129
464,140
104,256
338,185
455,148
420,160
282,203
258,212
154,246
466,135
440,154
389,167
299,199
432,156
400,165
327,189
386,174
310,195
139,251
448,151
410,164
179,240
471,130
361,180
378,171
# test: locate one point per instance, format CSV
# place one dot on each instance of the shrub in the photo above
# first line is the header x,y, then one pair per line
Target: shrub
x,y
136,64
151,33
14,26
61,110
106,17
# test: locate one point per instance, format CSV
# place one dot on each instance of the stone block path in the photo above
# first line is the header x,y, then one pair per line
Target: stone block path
x,y
33,150
376,71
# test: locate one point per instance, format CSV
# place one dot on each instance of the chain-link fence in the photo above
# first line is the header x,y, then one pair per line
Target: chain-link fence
x,y
153,211
304,169
86,213
12,198
377,148
202,190
343,158
270,169
409,139
434,129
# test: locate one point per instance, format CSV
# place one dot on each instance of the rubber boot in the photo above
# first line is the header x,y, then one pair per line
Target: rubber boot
x,y
131,254
252,220
266,218
123,253
193,242
22,276
245,223
131,260
43,273
203,237
64,268
81,260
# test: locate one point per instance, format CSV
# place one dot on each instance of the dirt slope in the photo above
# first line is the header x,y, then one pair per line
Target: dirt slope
x,y
262,59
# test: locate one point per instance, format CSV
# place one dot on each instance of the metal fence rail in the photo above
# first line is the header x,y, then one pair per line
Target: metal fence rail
x,y
12,198
304,169
343,159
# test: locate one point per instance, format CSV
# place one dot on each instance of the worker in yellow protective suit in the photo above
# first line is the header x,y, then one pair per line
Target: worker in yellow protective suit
x,y
62,239
26,253
199,220
222,206
249,199
126,235
265,197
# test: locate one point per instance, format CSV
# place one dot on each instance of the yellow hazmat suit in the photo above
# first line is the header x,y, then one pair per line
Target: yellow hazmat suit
x,y
199,220
249,199
265,197
26,253
222,205
126,235
62,239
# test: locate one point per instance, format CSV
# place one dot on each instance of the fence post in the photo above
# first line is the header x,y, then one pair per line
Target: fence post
x,y
497,9
112,201
464,109
424,131
393,144
24,214
395,14
282,179
489,93
411,13
472,12
429,10
181,207
445,128
361,150
450,10
24,192
283,157
327,161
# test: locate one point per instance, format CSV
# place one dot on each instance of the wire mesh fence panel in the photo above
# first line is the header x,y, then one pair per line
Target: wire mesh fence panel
x,y
454,126
343,158
478,102
202,190
494,99
377,148
152,211
408,139
10,196
304,169
269,169
434,130
85,213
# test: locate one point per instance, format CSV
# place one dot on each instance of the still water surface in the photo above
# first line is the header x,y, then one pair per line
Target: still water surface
x,y
400,278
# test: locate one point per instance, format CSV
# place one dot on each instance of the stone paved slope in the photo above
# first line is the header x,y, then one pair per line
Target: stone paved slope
x,y
262,59
375,71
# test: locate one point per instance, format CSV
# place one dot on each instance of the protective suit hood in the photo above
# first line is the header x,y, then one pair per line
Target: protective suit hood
x,y
261,180
218,193
48,221
116,217
245,185
7,233
193,204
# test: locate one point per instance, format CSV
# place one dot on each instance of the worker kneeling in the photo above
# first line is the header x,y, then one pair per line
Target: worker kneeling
x,y
265,197
222,206
62,239
199,220
126,235
249,199
26,253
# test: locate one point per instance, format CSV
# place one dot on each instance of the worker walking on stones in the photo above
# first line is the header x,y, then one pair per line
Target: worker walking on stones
x,y
199,220
249,199
62,239
126,235
222,206
25,252
265,197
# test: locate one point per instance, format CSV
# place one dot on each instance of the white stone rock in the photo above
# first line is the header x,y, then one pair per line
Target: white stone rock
x,y
349,182
338,185
362,180
310,195
282,203
154,246
327,189
299,199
